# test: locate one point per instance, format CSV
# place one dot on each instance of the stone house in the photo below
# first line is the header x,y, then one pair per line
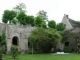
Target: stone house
x,y
74,26
16,35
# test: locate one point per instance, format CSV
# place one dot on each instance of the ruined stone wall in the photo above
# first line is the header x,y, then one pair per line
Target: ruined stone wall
x,y
19,31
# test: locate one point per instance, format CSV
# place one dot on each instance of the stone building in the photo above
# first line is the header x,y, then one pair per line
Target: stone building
x,y
71,24
74,26
16,35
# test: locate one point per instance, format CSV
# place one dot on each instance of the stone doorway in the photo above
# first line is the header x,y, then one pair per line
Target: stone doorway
x,y
15,40
67,44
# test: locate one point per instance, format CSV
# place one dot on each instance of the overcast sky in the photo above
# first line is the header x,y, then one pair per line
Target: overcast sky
x,y
55,8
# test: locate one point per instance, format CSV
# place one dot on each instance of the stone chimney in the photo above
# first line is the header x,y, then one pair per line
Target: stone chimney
x,y
67,16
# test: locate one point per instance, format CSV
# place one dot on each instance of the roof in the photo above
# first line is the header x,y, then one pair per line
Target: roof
x,y
70,22
74,23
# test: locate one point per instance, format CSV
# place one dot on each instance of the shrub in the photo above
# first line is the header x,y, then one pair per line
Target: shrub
x,y
66,49
14,51
78,48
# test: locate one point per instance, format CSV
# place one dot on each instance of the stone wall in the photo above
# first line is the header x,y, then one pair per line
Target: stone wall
x,y
19,31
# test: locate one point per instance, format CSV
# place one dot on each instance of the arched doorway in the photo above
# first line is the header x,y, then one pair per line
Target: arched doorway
x,y
15,40
67,44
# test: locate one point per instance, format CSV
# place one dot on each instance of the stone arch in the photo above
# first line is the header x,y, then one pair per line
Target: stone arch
x,y
15,41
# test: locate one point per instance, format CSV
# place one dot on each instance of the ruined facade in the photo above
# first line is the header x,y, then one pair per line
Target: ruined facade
x,y
73,26
16,35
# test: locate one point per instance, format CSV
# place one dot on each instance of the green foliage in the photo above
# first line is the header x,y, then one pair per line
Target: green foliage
x,y
73,38
60,27
14,21
22,18
43,15
8,16
38,21
14,51
66,49
30,20
44,25
21,7
30,52
3,42
44,39
52,24
68,35
78,48
5,16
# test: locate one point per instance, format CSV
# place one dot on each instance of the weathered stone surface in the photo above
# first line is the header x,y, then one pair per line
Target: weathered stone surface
x,y
19,31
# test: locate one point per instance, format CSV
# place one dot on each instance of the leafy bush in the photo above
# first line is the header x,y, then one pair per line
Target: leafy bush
x,y
66,49
14,51
43,40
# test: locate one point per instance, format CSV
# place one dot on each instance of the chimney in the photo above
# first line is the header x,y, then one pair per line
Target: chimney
x,y
67,16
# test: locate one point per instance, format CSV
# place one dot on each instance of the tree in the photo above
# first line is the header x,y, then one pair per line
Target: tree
x,y
38,21
15,21
43,40
3,42
12,15
3,38
44,25
8,16
52,24
30,20
5,16
43,15
22,18
14,51
21,7
60,27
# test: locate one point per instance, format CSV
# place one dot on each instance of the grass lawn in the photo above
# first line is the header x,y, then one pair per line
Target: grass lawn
x,y
45,57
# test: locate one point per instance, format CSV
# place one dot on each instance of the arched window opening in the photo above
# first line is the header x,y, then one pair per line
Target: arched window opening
x,y
15,41
67,44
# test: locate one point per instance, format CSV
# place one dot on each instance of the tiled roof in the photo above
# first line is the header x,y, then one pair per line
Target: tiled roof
x,y
74,23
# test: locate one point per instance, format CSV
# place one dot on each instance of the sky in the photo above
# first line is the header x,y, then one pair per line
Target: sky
x,y
55,8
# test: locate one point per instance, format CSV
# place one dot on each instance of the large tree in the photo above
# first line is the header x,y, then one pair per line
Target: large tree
x,y
22,18
8,16
21,7
43,15
38,21
52,24
30,20
43,40
60,27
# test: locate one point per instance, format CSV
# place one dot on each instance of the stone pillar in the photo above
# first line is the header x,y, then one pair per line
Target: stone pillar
x,y
9,43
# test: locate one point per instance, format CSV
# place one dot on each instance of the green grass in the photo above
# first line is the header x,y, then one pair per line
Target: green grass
x,y
45,57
